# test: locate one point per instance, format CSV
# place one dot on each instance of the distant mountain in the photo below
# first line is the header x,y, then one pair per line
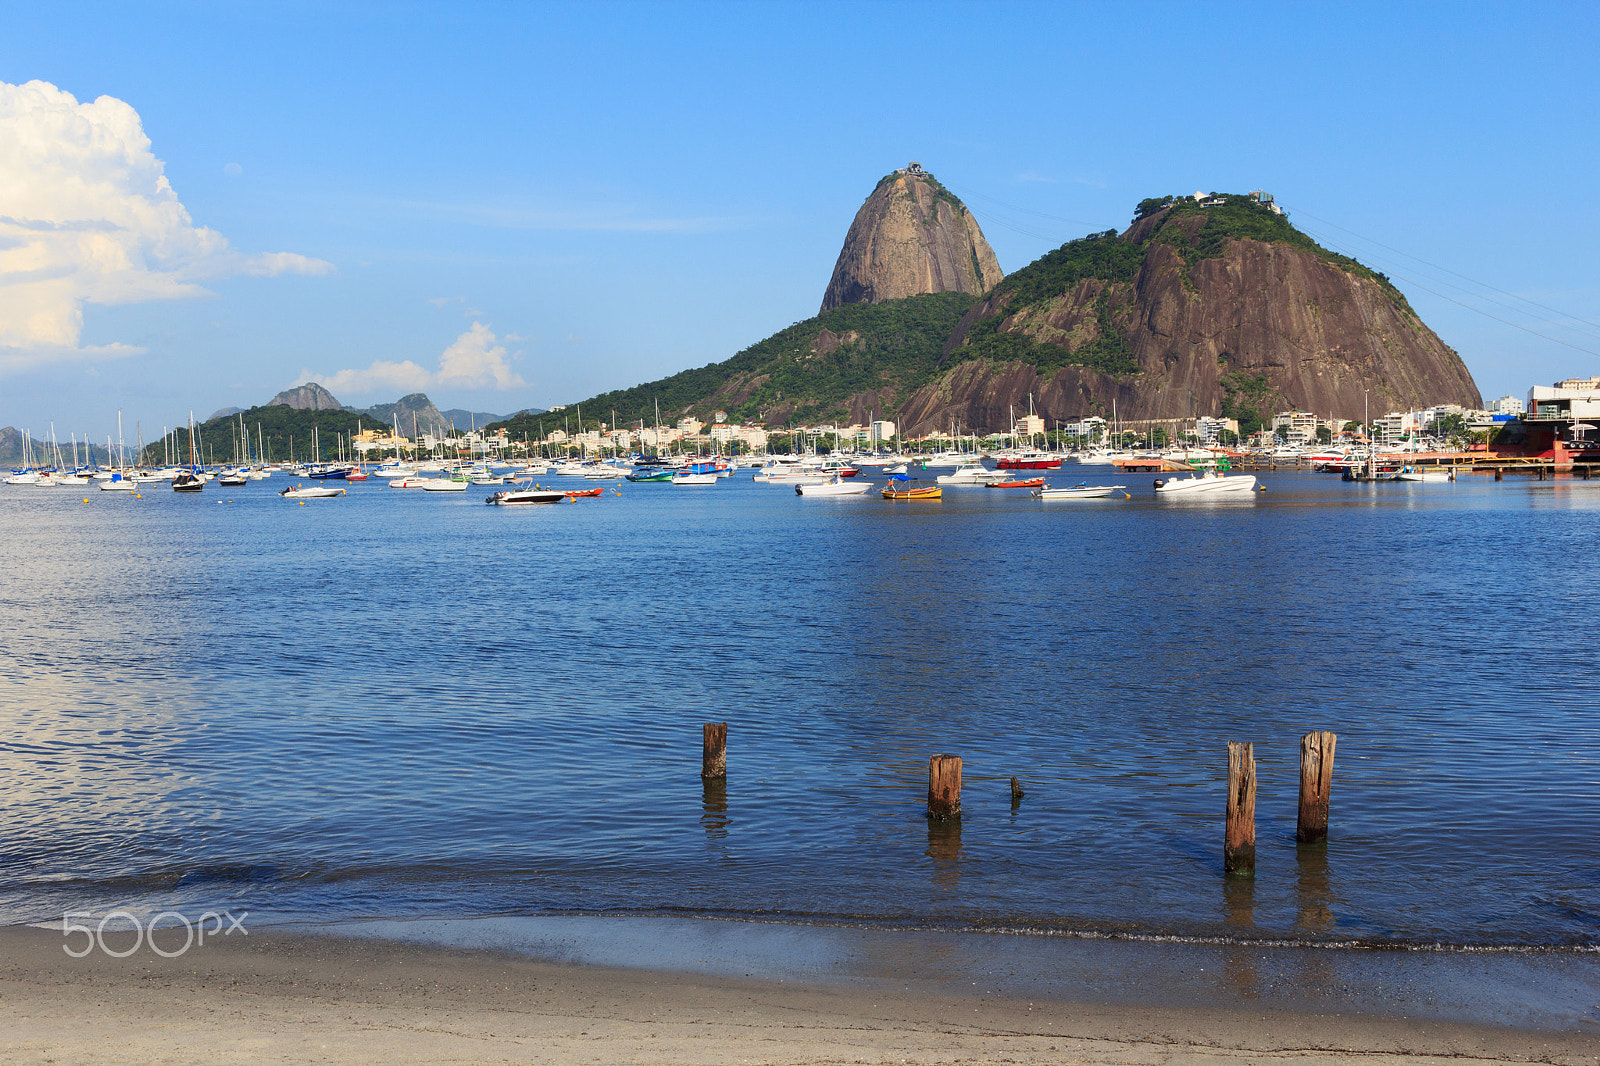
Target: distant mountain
x,y
10,446
286,431
307,397
1212,304
11,450
414,409
225,412
465,419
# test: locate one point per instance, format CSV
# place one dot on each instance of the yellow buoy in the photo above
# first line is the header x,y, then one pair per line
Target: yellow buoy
x,y
302,503
86,499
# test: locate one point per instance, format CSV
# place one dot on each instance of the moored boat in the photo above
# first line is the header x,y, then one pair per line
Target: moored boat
x,y
1082,491
312,492
971,474
1024,483
1209,483
911,492
525,492
836,487
1030,461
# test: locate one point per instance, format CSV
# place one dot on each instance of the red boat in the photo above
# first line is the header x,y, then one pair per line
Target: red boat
x,y
575,493
1030,461
1026,483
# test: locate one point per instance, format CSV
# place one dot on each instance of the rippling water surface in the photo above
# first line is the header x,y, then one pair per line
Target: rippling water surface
x,y
402,705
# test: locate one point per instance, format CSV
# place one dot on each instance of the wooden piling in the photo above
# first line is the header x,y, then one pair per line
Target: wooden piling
x,y
714,762
944,786
1239,839
1316,779
1499,475
1016,793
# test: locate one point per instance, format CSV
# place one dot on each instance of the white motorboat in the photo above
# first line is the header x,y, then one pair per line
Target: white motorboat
x,y
525,492
836,487
444,484
972,474
1209,483
411,481
1425,473
310,492
1082,492
694,479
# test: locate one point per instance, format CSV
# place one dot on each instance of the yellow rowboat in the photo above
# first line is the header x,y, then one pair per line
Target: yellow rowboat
x,y
921,492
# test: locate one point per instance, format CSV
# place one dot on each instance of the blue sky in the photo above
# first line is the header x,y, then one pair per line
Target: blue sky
x,y
523,204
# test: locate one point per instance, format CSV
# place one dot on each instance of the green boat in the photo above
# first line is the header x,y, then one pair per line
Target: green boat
x,y
653,475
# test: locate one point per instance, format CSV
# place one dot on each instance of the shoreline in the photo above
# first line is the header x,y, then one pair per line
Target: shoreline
x,y
348,995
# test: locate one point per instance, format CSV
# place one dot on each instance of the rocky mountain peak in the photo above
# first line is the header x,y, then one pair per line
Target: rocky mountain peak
x,y
307,397
911,236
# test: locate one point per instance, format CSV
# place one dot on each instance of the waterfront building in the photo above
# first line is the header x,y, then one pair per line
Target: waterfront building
x,y
1571,400
1300,427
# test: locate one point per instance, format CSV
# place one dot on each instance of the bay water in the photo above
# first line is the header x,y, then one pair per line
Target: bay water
x,y
408,705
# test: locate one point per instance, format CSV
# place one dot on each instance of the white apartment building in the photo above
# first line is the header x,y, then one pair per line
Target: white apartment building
x,y
1301,426
1208,429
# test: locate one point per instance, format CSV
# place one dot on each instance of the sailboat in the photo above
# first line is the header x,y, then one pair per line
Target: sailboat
x,y
189,479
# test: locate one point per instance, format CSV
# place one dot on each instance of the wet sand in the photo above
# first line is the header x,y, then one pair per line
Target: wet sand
x,y
283,997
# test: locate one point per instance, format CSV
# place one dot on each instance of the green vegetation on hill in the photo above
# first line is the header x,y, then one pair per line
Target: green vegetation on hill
x,y
896,351
1098,256
1240,218
280,425
1194,231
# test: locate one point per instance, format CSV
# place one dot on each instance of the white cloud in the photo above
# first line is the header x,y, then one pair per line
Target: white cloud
x,y
13,359
87,216
476,360
1034,175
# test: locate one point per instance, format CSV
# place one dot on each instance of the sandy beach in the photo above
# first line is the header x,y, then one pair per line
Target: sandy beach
x,y
291,998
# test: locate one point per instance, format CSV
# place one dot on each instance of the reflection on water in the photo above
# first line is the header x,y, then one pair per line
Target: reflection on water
x,y
403,705
1313,896
714,808
944,848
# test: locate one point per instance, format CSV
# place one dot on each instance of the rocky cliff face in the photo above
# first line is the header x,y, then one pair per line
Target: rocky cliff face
x,y
912,236
308,397
1191,311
